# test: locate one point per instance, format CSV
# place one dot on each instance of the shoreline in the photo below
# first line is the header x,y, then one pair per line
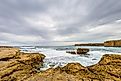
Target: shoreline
x,y
12,62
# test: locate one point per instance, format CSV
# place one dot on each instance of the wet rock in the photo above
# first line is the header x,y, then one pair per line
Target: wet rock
x,y
71,52
79,51
82,50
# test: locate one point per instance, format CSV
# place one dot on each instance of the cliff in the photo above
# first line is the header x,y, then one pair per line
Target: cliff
x,y
108,69
113,43
90,44
17,66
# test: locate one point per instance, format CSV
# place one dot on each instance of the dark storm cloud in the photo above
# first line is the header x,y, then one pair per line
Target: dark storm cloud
x,y
58,20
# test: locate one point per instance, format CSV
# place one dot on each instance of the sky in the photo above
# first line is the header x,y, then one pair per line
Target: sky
x,y
59,22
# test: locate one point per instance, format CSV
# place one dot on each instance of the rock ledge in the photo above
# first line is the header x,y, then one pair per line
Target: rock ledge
x,y
17,66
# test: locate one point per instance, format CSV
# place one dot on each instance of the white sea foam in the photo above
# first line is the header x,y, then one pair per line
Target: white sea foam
x,y
56,58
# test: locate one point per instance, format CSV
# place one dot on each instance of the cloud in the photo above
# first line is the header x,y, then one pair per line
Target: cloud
x,y
45,21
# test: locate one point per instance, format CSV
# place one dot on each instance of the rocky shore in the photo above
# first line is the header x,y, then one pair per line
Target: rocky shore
x,y
108,69
17,66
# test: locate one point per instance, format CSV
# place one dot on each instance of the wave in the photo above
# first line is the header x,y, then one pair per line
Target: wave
x,y
55,58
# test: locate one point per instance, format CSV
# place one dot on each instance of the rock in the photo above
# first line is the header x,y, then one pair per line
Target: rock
x,y
6,47
107,69
8,53
79,51
71,68
82,50
113,43
16,66
71,52
90,44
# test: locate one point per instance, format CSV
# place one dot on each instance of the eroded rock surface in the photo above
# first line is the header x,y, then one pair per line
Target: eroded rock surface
x,y
108,69
16,66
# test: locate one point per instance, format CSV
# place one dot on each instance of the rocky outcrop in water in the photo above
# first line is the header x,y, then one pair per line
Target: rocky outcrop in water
x,y
108,69
79,51
113,43
16,66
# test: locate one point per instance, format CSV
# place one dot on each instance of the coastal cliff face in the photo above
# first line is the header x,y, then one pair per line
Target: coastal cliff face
x,y
16,66
108,69
113,43
110,43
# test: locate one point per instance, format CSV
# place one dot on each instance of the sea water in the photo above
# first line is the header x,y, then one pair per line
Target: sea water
x,y
57,56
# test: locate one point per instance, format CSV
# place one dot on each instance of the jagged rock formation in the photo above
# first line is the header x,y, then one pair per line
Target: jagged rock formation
x,y
16,66
82,50
113,43
108,69
79,51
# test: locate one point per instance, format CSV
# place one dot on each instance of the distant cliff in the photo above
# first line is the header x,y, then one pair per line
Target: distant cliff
x,y
110,43
90,44
113,43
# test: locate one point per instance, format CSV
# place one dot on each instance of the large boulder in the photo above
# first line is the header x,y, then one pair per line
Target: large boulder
x,y
82,50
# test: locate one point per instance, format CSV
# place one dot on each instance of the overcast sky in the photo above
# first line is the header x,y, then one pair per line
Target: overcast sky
x,y
46,22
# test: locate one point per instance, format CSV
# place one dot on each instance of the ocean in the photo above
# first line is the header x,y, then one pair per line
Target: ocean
x,y
57,56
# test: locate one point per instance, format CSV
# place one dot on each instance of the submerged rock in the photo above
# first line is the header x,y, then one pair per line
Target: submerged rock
x,y
108,69
16,66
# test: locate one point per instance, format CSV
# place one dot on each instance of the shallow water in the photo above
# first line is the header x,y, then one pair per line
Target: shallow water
x,y
57,56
